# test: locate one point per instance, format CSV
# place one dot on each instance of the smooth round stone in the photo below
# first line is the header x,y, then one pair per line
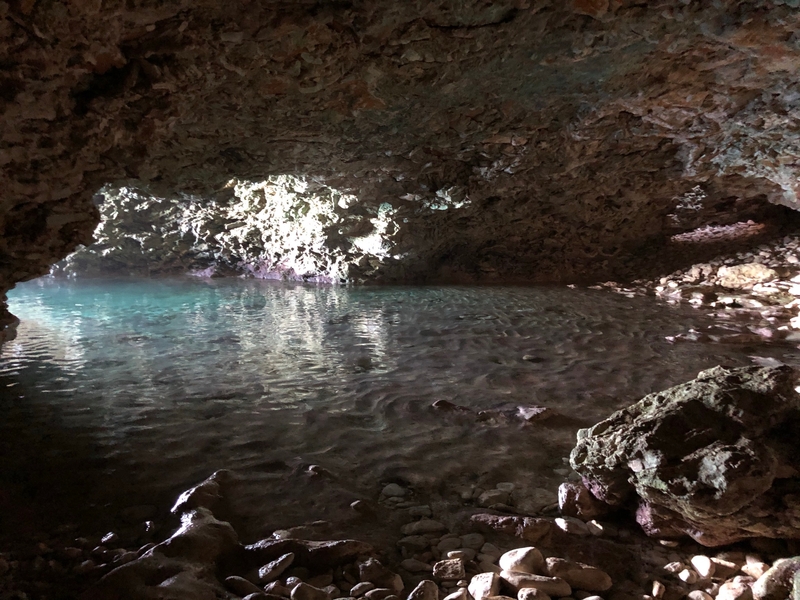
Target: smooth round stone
x,y
393,490
378,594
240,585
256,596
578,575
275,588
362,588
420,511
412,565
491,550
595,528
423,526
755,569
777,582
473,541
523,560
698,595
724,568
491,497
448,544
703,565
505,486
552,586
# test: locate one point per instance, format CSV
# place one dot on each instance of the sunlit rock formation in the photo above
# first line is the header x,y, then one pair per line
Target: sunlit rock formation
x,y
517,140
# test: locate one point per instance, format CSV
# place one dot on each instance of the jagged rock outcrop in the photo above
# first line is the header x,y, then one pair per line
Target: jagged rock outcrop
x,y
714,458
522,140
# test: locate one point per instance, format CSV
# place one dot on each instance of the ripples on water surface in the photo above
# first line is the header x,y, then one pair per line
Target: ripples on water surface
x,y
125,392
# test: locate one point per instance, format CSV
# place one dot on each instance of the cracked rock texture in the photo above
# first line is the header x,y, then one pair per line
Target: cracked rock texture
x,y
714,458
515,140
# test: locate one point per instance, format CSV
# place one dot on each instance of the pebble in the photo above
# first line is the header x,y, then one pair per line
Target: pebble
x,y
393,490
704,566
724,568
256,596
735,589
376,594
448,544
595,528
674,567
362,588
553,586
484,585
240,585
274,569
459,594
449,569
505,486
333,591
420,511
474,541
412,565
532,594
492,497
658,589
425,590
572,525
698,595
415,543
755,569
523,560
578,575
688,576
276,589
423,526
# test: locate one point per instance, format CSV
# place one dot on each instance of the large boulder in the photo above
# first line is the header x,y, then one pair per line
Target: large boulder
x,y
712,458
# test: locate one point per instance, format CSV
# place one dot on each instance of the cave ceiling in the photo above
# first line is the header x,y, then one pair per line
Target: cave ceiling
x,y
514,140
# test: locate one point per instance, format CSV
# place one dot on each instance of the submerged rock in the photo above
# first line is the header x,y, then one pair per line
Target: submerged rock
x,y
712,458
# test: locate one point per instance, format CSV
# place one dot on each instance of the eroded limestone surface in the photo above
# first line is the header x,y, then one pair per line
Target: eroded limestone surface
x,y
514,140
714,458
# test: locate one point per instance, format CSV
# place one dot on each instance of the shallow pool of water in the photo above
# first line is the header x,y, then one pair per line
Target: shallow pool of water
x,y
119,393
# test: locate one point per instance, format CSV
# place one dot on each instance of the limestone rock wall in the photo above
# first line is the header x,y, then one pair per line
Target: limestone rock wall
x,y
523,140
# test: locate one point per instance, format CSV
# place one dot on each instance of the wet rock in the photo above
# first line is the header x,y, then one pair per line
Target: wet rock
x,y
201,538
272,570
303,591
203,495
778,582
574,500
484,585
242,587
578,575
701,458
523,560
425,590
552,586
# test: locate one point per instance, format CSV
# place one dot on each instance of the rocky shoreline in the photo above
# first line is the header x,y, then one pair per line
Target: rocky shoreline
x,y
475,554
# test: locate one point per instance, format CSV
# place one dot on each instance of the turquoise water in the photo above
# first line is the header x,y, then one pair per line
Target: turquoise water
x,y
120,393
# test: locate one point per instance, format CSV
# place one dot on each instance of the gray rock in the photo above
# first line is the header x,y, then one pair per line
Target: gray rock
x,y
242,587
425,590
523,560
452,569
273,569
423,526
484,585
373,571
552,586
702,457
303,591
362,588
579,575
777,582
